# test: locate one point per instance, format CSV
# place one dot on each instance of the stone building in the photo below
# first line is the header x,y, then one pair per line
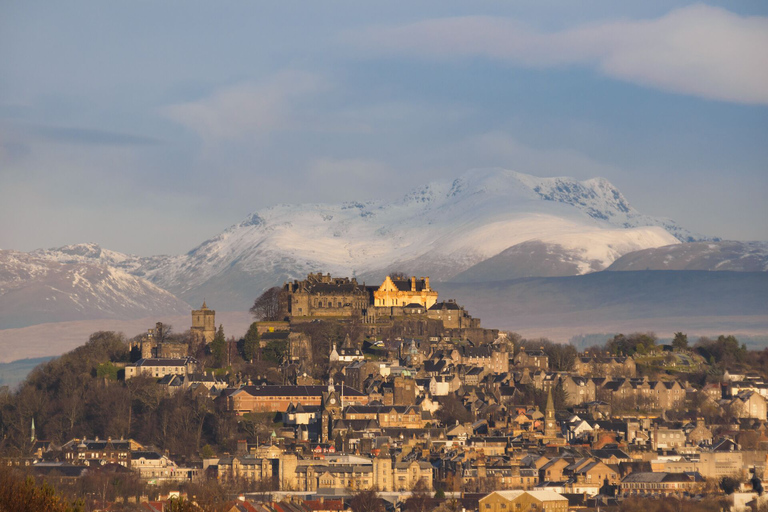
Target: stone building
x,y
321,295
278,398
309,475
656,484
509,501
578,390
204,323
605,366
452,315
160,367
404,391
154,344
404,292
532,359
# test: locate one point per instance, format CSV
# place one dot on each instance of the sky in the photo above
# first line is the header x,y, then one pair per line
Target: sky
x,y
148,127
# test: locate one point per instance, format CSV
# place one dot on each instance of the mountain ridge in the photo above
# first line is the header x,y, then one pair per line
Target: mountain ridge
x,y
439,229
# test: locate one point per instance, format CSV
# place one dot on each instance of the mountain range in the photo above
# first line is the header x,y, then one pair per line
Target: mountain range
x,y
487,225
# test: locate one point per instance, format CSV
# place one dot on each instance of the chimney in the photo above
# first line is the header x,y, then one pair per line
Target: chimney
x,y
413,283
426,283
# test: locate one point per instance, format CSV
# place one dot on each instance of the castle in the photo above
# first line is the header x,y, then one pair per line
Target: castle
x,y
379,307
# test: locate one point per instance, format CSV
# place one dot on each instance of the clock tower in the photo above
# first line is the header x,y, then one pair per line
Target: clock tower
x,y
550,423
331,411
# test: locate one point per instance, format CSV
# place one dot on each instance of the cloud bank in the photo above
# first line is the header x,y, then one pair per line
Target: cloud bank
x,y
248,109
698,50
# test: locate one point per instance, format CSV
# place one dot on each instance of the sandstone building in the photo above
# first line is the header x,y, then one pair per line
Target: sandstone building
x,y
404,292
321,295
204,323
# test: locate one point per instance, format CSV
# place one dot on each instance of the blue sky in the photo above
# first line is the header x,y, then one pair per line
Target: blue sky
x,y
150,126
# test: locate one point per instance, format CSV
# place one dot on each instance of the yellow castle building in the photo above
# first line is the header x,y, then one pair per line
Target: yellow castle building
x,y
402,292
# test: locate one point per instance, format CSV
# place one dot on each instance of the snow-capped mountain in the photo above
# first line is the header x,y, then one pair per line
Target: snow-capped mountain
x,y
37,290
440,229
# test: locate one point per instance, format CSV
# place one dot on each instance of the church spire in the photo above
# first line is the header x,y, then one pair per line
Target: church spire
x,y
550,423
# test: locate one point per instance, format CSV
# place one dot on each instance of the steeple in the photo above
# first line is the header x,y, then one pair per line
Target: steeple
x,y
550,423
550,403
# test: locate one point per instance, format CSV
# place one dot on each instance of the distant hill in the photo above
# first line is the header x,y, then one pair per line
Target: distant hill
x,y
527,259
724,255
16,371
610,301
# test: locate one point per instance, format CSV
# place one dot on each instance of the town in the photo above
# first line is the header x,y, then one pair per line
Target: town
x,y
347,396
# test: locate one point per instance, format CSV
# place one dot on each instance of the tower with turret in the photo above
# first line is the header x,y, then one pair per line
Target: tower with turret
x,y
204,323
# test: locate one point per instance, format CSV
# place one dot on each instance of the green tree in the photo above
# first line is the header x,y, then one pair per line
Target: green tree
x,y
640,343
680,342
276,351
219,348
729,484
251,343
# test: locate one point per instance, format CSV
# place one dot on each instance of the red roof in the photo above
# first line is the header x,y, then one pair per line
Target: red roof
x,y
324,505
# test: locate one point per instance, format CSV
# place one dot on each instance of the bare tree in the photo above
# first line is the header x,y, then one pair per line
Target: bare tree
x,y
272,305
419,500
366,501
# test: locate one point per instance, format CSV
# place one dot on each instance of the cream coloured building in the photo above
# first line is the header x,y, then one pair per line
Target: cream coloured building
x,y
402,292
514,501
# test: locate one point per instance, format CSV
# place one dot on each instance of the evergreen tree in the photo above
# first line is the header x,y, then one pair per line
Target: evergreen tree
x,y
219,348
251,343
680,342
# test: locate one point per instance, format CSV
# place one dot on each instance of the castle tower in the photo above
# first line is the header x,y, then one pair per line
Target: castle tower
x,y
204,323
550,423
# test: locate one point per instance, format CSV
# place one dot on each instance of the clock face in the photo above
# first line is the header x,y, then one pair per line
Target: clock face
x,y
332,400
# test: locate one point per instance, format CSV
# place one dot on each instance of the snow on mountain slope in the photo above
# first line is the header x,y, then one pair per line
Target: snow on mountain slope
x,y
439,229
37,290
599,199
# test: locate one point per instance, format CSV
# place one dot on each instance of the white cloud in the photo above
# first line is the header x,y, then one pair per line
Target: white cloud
x,y
698,50
248,110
